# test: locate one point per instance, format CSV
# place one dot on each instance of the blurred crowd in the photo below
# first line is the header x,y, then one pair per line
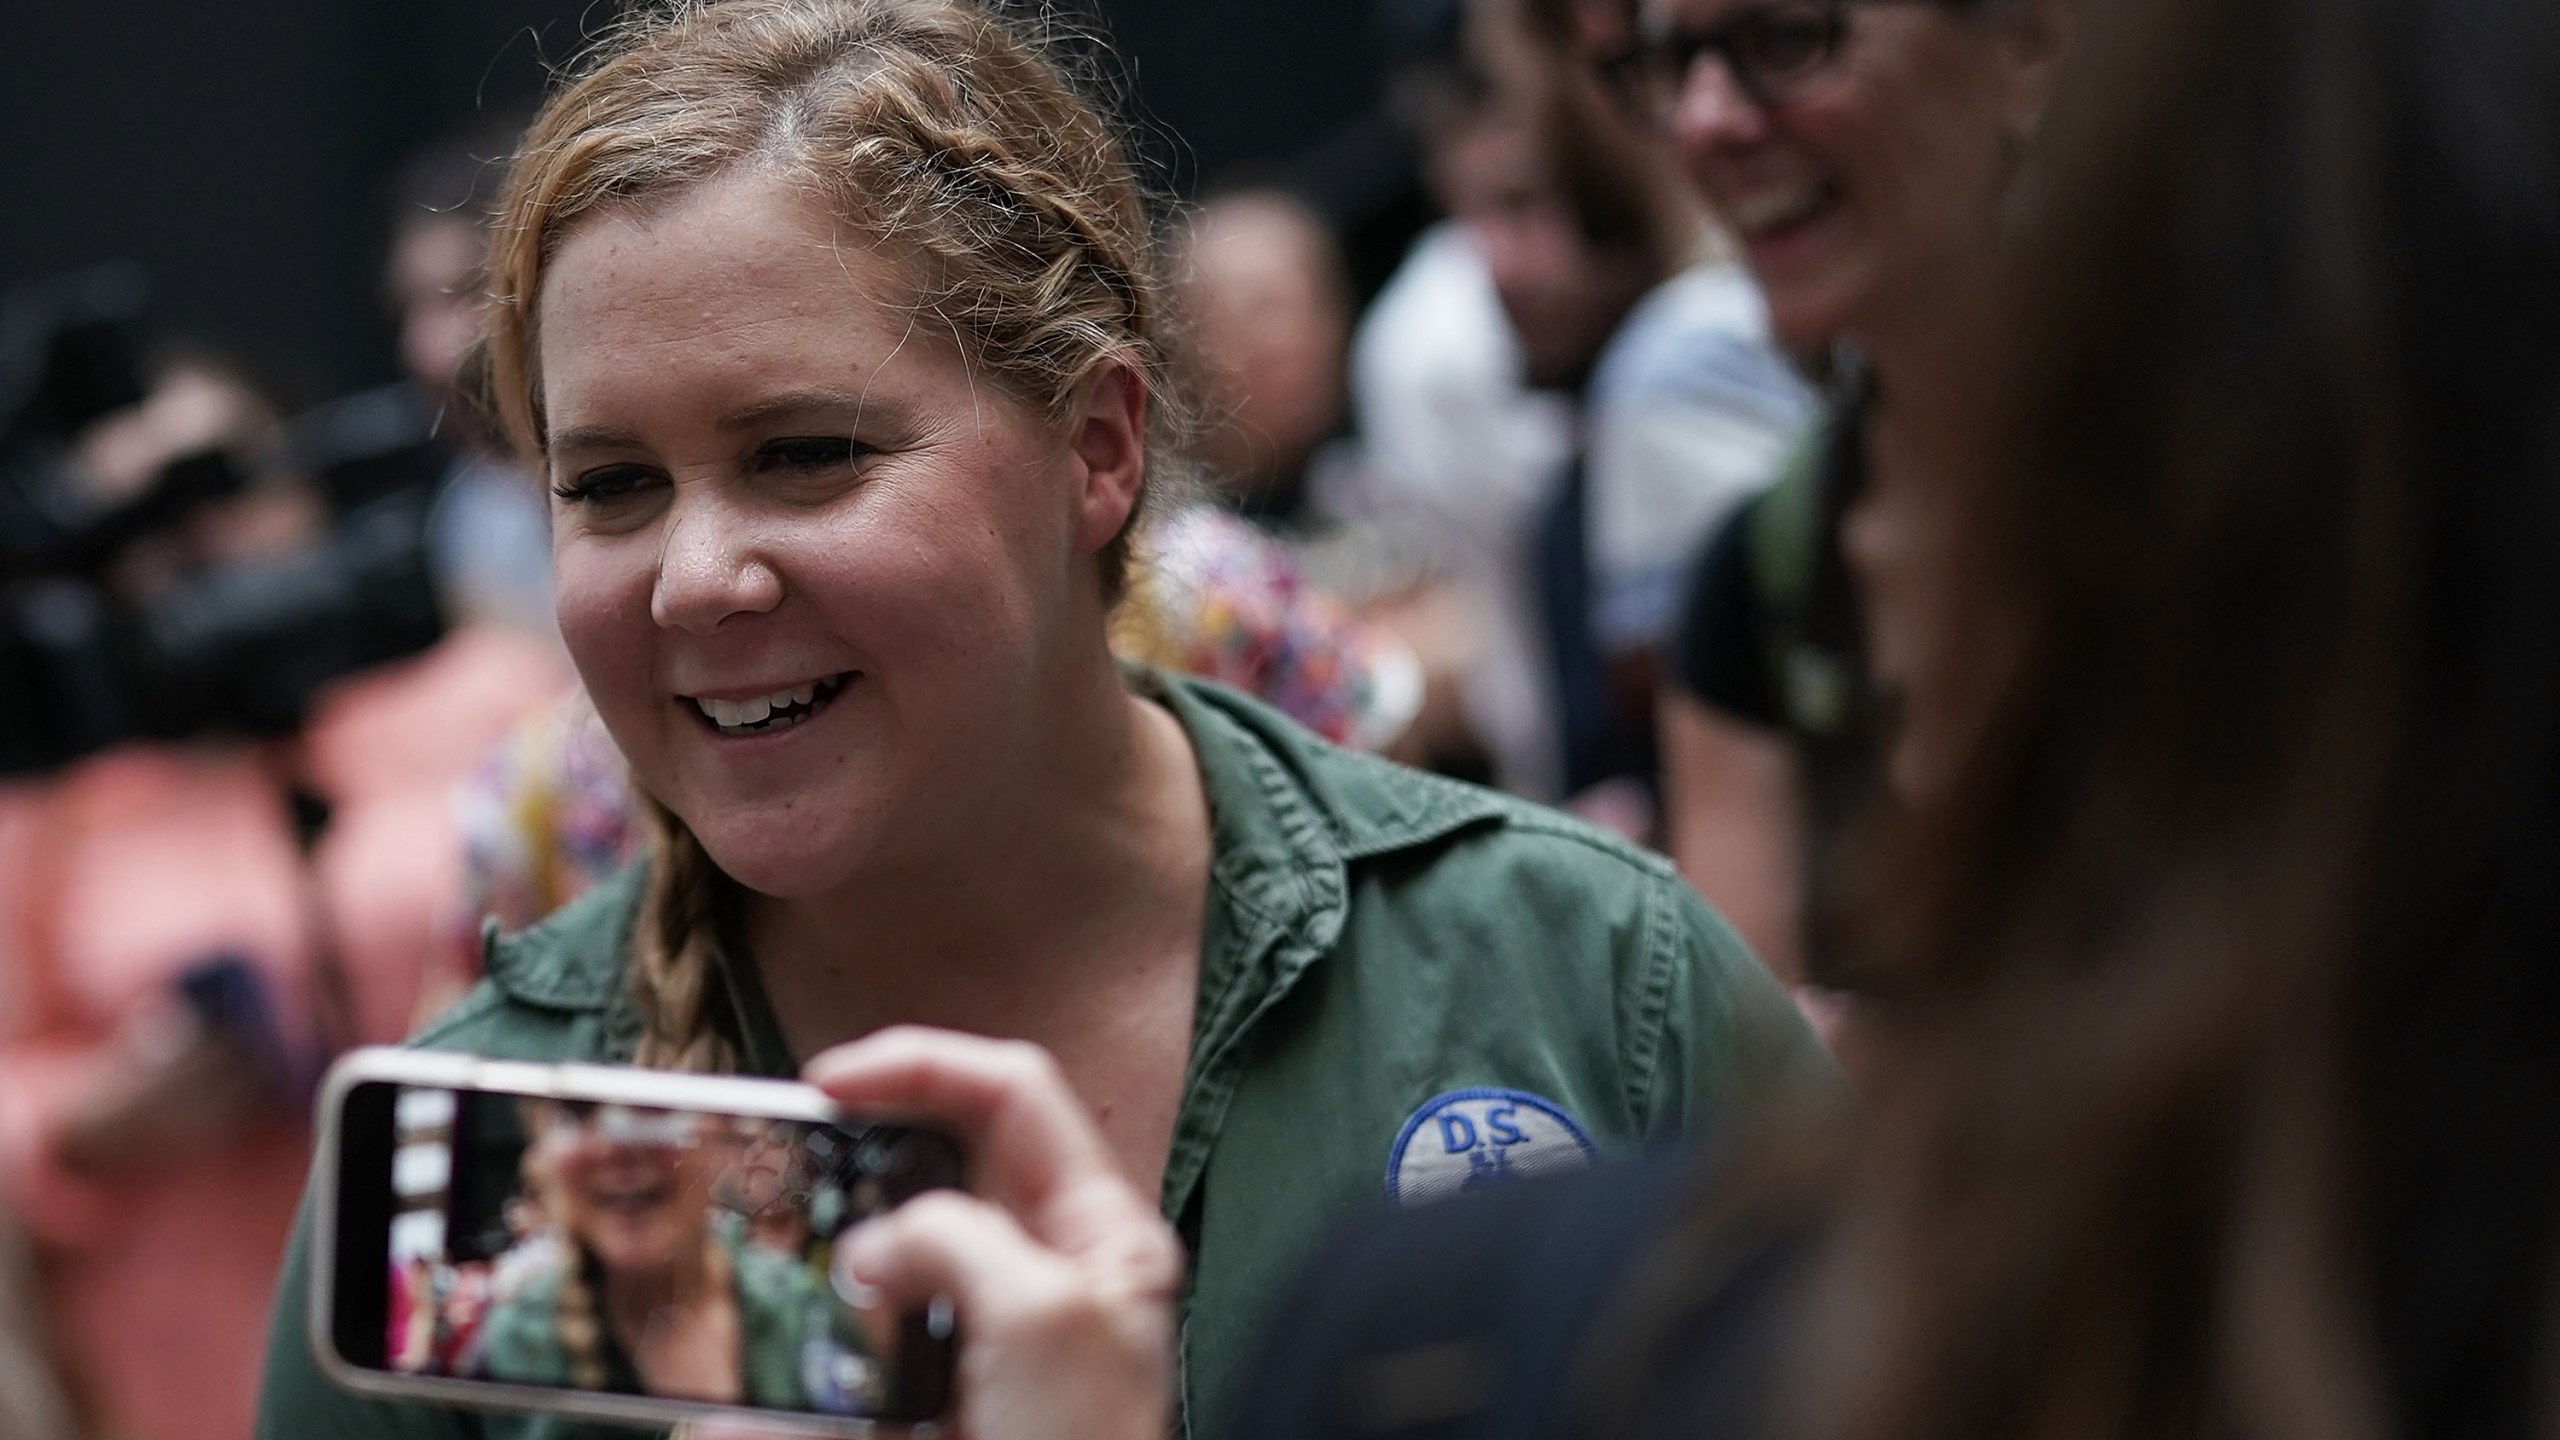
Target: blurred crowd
x,y
1532,449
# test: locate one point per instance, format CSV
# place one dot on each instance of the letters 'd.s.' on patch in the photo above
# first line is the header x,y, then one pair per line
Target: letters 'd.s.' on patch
x,y
1468,1139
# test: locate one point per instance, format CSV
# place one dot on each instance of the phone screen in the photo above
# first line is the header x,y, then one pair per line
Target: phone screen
x,y
619,1249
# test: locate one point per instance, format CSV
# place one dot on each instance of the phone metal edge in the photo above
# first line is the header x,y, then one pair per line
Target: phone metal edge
x,y
553,1080
644,1410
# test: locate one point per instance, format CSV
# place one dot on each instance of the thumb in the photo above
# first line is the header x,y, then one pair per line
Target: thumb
x,y
944,1243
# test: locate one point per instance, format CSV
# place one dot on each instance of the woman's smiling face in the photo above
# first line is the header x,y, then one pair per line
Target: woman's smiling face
x,y
816,572
1848,185
632,1185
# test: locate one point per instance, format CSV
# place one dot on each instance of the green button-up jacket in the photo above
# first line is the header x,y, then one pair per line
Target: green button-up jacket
x,y
1398,974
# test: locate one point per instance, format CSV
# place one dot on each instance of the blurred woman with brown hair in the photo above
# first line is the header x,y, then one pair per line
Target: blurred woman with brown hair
x,y
1866,158
2229,686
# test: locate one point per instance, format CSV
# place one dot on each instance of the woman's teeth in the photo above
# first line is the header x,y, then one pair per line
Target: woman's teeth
x,y
632,1198
1775,209
777,711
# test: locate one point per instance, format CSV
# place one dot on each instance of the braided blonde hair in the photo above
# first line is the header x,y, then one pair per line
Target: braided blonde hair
x,y
678,952
575,1318
580,1323
935,127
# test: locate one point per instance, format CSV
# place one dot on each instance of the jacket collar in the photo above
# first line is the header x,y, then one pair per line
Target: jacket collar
x,y
574,960
1323,802
1290,814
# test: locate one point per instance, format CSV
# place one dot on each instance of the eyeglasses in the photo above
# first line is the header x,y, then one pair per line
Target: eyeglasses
x,y
1766,49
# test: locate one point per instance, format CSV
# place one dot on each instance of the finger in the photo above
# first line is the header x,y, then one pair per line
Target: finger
x,y
1034,1145
948,1244
987,1089
957,1245
732,1430
1051,1345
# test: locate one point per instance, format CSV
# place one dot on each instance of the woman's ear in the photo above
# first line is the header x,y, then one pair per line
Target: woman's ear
x,y
1107,434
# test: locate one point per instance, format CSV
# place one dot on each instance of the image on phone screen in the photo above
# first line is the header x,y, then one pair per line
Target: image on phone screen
x,y
625,1250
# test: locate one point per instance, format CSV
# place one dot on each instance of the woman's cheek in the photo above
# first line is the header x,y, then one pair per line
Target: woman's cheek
x,y
604,623
592,589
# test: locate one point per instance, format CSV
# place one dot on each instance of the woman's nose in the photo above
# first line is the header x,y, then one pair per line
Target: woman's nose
x,y
710,568
1713,111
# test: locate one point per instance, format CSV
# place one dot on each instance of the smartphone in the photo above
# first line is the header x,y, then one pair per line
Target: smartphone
x,y
614,1244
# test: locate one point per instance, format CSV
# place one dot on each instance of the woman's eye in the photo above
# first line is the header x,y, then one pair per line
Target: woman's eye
x,y
1785,44
601,485
806,452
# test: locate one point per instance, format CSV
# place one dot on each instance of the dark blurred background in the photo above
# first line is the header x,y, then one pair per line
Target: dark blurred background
x,y
239,152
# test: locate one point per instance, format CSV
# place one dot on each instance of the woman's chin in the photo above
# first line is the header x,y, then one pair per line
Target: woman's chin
x,y
776,879
1809,320
1817,300
811,848
633,1253
776,864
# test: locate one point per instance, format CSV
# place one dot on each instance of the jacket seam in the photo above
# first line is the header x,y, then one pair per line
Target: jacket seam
x,y
1302,826
1438,808
1644,1048
1230,877
579,999
1652,867
1425,831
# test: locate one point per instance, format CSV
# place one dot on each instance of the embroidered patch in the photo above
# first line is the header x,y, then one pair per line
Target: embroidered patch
x,y
1468,1139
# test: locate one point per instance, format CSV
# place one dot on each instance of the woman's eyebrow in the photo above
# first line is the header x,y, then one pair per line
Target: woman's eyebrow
x,y
594,437
795,402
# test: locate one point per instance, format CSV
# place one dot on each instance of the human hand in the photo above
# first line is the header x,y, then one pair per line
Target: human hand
x,y
1063,1276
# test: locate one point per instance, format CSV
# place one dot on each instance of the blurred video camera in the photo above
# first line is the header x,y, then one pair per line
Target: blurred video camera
x,y
241,648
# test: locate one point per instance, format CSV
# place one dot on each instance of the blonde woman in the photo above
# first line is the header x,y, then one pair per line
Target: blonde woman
x,y
836,328
637,1292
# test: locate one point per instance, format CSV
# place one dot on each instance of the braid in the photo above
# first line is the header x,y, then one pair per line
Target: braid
x,y
677,953
573,1307
581,1329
